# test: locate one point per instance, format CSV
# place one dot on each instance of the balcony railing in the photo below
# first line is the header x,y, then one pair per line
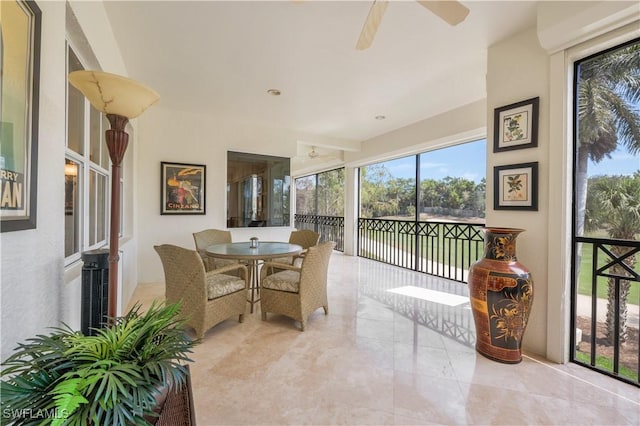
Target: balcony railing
x,y
331,228
443,249
606,319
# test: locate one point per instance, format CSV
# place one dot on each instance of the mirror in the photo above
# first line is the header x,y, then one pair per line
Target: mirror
x,y
257,190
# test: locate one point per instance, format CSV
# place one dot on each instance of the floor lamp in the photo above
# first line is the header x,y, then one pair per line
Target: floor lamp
x,y
120,99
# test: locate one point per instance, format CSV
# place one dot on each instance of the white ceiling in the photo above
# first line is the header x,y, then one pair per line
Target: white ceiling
x,y
220,57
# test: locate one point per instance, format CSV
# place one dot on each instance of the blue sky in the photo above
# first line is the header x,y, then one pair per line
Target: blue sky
x,y
620,163
469,161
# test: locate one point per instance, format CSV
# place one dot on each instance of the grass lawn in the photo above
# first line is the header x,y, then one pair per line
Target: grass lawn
x,y
606,364
584,284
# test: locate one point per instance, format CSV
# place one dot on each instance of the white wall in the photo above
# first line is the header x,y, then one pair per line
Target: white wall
x,y
98,33
518,70
32,261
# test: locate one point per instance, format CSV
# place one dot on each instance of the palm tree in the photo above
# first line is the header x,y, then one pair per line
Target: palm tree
x,y
614,204
608,89
608,99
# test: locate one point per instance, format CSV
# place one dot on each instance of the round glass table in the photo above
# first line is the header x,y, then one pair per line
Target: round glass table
x,y
254,256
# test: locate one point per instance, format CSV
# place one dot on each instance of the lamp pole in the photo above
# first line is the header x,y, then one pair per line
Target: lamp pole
x,y
121,99
117,142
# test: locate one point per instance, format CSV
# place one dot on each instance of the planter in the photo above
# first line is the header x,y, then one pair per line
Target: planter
x,y
501,293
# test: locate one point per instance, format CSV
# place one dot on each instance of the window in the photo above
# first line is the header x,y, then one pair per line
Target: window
x,y
424,211
306,195
388,189
321,194
452,185
320,205
86,172
257,190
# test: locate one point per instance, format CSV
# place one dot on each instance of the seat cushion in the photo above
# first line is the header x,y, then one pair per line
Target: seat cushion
x,y
219,285
283,281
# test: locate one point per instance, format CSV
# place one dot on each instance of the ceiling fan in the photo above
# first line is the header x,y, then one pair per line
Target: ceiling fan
x,y
322,155
313,153
452,12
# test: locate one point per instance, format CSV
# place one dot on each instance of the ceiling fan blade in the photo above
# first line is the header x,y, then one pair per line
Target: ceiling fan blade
x,y
452,12
371,24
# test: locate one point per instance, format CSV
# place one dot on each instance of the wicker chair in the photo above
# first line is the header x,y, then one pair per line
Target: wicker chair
x,y
207,297
204,239
297,291
304,238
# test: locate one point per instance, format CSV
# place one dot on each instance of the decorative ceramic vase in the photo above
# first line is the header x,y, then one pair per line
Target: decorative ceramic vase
x,y
501,293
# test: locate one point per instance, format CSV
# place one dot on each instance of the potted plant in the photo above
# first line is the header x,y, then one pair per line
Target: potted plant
x,y
114,377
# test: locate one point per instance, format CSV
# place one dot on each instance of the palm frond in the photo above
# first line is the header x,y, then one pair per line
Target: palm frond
x,y
608,91
112,377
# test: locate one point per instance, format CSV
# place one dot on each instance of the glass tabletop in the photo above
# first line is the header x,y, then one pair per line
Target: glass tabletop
x,y
242,250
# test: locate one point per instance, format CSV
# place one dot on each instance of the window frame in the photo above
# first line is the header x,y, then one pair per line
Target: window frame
x,y
87,167
574,58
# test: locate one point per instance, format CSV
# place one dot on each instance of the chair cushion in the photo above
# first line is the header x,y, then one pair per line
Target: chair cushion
x,y
283,281
219,285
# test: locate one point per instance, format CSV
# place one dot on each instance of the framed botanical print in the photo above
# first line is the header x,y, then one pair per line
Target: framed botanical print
x,y
515,187
20,22
516,126
182,188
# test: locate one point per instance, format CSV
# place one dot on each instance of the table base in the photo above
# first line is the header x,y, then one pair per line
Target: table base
x,y
254,282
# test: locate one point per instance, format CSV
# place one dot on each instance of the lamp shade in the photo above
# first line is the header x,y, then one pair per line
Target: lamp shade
x,y
114,94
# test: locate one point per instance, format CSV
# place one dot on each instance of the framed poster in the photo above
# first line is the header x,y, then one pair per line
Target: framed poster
x,y
20,22
516,126
182,188
515,187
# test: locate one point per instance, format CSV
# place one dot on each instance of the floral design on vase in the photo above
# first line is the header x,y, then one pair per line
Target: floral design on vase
x,y
509,315
501,293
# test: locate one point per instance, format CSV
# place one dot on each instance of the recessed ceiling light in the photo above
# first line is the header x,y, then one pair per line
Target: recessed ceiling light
x,y
380,117
274,92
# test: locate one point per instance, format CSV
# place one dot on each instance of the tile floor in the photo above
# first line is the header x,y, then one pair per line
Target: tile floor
x,y
386,357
